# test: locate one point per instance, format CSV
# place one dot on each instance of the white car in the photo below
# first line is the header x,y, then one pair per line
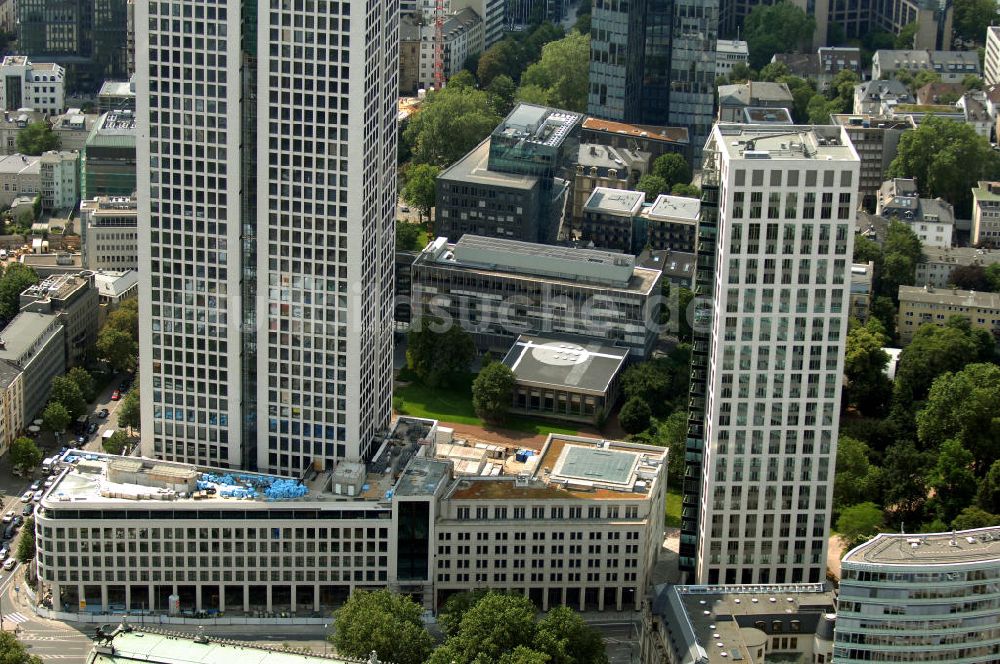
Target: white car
x,y
8,517
37,496
49,482
26,497
36,485
9,564
3,553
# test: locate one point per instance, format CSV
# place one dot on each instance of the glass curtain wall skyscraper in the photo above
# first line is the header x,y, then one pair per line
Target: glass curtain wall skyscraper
x,y
267,190
653,62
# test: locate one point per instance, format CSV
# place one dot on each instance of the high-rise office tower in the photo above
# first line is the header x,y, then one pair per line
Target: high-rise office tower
x,y
267,187
653,62
783,243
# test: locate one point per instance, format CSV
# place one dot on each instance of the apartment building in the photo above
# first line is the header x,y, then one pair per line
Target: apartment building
x,y
39,86
952,66
655,141
608,218
73,300
932,219
870,96
927,304
607,167
937,263
34,343
267,211
728,54
11,125
463,37
929,597
876,140
579,522
684,624
991,59
109,233
986,214
11,404
823,65
73,128
497,289
669,223
59,180
20,175
116,96
771,392
734,99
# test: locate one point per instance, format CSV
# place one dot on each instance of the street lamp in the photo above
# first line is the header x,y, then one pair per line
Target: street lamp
x,y
326,638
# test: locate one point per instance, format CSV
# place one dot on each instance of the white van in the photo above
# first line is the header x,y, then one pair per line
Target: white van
x,y
48,464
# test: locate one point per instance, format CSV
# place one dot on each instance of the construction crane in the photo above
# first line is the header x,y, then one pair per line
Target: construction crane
x,y
439,44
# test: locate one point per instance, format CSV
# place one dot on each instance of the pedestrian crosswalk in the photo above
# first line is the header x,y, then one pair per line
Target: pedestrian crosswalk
x,y
15,618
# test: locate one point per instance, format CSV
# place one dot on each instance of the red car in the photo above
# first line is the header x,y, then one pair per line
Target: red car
x,y
116,395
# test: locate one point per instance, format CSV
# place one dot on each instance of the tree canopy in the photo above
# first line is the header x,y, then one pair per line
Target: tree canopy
x,y
24,453
652,186
661,382
56,417
450,123
856,479
37,138
437,351
26,541
129,413
16,277
777,28
947,159
634,415
65,391
559,78
868,387
84,381
492,391
118,348
13,651
859,523
382,621
933,351
115,443
673,169
409,237
973,17
952,479
420,189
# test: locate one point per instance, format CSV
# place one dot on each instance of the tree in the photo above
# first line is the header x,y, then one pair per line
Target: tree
x,y
567,639
56,417
684,298
26,543
686,190
883,310
988,495
634,416
450,123
118,348
773,71
409,237
502,91
562,73
856,479
652,186
84,381
777,28
66,392
973,17
973,517
933,351
129,415
669,432
673,169
437,351
741,73
965,407
972,82
13,651
492,391
923,77
125,318
24,453
906,36
859,523
454,609
952,479
802,93
660,382
387,623
969,277
497,624
420,189
993,275
37,138
115,444
463,78
868,388
904,484
16,277
502,59
947,159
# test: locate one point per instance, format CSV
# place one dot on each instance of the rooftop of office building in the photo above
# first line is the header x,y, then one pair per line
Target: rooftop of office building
x,y
673,208
110,206
474,168
567,468
153,646
537,124
964,546
95,479
949,296
730,622
959,255
14,164
57,286
593,155
676,264
759,142
550,263
667,134
566,363
117,89
865,121
620,202
115,284
19,339
114,129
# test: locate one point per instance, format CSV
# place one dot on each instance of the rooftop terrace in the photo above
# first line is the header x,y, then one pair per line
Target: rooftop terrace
x,y
537,124
962,547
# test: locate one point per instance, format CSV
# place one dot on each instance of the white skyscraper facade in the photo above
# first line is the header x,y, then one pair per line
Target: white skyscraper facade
x,y
267,179
786,207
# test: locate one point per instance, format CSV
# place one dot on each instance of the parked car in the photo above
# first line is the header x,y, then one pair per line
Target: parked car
x,y
80,441
92,429
49,482
36,485
26,497
4,552
18,520
116,395
8,517
102,413
37,496
9,564
28,510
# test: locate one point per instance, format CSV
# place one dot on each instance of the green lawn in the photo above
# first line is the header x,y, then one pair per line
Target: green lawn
x,y
673,510
454,404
